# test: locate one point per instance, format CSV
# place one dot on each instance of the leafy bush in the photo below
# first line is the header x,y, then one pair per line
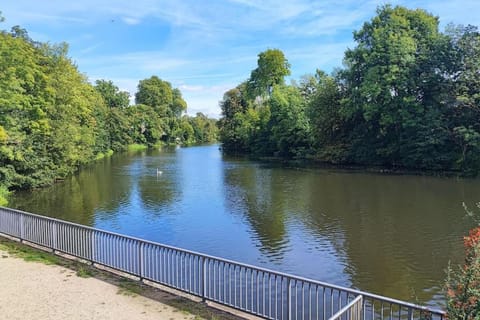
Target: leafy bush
x,y
3,195
463,285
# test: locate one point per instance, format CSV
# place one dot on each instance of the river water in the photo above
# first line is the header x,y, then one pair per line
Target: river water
x,y
392,235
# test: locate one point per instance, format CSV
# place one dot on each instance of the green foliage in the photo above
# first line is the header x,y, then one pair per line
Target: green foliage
x,y
205,130
136,147
271,71
48,113
52,120
408,97
463,285
113,97
288,126
160,95
3,195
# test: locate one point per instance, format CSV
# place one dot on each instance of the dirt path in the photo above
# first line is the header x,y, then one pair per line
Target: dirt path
x,y
31,291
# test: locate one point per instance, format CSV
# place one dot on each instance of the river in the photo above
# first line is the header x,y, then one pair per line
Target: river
x,y
392,235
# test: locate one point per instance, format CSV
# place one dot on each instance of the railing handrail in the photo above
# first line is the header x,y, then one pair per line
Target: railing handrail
x,y
244,265
348,306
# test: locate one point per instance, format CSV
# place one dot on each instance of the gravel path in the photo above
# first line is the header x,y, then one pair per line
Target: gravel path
x,y
31,291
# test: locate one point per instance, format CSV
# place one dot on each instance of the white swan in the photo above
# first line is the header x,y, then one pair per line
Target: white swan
x,y
159,172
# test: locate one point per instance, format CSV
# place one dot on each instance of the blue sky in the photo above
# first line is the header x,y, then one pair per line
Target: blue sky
x,y
205,47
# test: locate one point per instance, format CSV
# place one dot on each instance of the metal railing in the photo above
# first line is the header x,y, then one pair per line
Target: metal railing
x,y
352,311
258,291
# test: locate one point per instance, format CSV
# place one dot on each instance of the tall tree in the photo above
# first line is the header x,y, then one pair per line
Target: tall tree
x,y
395,88
272,68
233,105
465,116
160,95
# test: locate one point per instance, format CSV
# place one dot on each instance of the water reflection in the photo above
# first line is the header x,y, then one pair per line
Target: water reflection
x,y
392,235
250,191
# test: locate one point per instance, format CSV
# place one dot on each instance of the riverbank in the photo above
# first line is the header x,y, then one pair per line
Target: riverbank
x,y
38,285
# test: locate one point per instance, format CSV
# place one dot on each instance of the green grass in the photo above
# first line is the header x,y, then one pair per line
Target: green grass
x,y
136,147
129,288
85,272
28,254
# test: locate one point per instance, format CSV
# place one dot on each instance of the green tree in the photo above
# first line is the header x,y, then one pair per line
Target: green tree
x,y
233,105
160,95
114,98
288,124
146,126
48,112
395,88
272,68
465,116
329,127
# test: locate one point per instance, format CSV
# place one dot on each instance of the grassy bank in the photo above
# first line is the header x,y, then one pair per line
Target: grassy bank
x,y
136,147
107,154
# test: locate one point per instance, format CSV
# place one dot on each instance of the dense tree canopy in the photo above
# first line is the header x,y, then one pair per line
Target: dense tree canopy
x,y
52,120
407,97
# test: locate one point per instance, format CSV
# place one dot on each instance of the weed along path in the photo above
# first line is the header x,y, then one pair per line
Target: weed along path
x,y
36,285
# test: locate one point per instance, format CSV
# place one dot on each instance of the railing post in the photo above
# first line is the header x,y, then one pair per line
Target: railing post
x,y
54,235
410,314
92,257
140,260
22,228
289,300
204,279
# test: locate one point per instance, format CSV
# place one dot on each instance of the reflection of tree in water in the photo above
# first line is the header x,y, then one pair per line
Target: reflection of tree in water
x,y
157,192
256,194
402,231
394,234
76,199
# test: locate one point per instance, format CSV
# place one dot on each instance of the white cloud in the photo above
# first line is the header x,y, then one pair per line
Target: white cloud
x,y
206,48
131,21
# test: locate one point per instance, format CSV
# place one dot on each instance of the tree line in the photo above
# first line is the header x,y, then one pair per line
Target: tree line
x,y
407,97
52,120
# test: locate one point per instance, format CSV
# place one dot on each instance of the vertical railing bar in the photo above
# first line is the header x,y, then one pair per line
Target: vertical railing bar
x,y
204,278
235,284
289,299
229,283
324,304
331,303
309,301
252,297
257,282
276,297
240,282
373,309
264,297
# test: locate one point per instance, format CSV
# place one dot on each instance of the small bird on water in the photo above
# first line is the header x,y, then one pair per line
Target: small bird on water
x,y
159,172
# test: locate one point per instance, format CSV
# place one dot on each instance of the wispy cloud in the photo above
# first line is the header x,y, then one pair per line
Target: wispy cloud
x,y
206,48
131,21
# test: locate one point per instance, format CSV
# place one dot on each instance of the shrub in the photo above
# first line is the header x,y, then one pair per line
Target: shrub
x,y
463,284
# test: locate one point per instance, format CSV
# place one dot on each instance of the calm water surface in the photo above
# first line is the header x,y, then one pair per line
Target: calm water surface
x,y
392,235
